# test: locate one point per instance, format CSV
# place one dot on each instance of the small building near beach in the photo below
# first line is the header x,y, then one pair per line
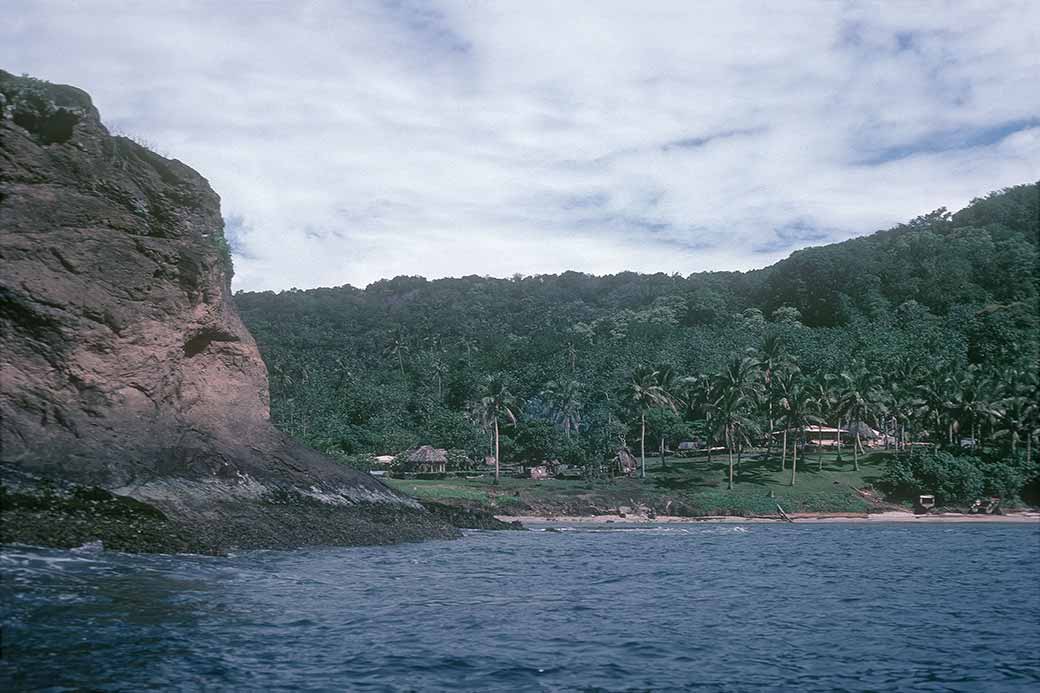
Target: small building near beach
x,y
825,436
427,460
691,447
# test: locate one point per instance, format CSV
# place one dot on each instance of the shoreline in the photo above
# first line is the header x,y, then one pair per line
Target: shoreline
x,y
892,516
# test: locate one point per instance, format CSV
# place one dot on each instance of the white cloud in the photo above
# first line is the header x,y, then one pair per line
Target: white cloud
x,y
362,140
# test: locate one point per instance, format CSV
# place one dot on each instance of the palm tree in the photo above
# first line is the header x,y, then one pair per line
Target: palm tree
x,y
672,387
1019,413
396,346
643,393
497,403
858,400
566,400
798,407
783,382
700,393
737,393
937,405
772,357
824,394
902,399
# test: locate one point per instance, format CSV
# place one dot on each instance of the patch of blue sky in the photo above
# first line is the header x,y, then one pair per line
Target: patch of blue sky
x,y
950,140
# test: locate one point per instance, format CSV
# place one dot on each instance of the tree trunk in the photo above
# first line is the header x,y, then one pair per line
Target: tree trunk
x,y
496,452
783,452
729,452
838,459
769,440
819,452
855,450
642,446
711,439
662,452
794,462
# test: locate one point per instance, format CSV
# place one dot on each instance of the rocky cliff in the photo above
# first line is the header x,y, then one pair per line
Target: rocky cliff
x,y
133,400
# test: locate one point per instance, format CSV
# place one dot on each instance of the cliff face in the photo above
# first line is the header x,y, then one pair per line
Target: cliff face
x,y
124,365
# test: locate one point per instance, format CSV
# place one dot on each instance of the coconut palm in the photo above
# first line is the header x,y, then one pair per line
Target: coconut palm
x,y
825,395
902,399
1019,414
798,407
567,403
396,347
700,394
642,393
496,405
936,396
859,400
772,357
783,382
738,391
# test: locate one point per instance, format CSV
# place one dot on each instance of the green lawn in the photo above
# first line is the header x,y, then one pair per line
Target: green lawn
x,y
689,487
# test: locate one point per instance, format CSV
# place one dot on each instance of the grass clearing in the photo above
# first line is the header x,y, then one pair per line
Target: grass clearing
x,y
684,486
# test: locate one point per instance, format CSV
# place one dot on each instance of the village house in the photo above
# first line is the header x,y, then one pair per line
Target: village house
x,y
427,460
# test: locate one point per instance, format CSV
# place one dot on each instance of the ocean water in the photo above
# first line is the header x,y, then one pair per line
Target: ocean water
x,y
836,607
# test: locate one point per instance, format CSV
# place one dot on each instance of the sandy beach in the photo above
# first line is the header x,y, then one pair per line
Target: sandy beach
x,y
887,517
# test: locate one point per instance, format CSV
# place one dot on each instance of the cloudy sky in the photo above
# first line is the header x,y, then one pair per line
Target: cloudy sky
x,y
357,140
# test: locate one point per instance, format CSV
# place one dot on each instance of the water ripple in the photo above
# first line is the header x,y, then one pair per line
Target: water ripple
x,y
769,607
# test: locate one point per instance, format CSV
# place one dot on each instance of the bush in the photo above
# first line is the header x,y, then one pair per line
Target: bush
x,y
951,479
956,479
1009,477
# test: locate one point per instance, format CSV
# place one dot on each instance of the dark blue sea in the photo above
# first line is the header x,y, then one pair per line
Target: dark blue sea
x,y
828,607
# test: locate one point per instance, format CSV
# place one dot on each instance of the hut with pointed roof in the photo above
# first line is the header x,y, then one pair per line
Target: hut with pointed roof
x,y
625,463
427,460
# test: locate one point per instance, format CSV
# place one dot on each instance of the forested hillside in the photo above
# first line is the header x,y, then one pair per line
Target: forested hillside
x,y
912,320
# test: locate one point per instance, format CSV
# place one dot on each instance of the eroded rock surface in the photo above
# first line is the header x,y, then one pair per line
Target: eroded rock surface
x,y
124,365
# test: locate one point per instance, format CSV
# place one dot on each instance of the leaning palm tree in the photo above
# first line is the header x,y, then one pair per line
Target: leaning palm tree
x,y
497,404
642,392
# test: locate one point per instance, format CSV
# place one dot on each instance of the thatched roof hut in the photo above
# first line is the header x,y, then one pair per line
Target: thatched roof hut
x,y
428,453
865,432
626,463
428,459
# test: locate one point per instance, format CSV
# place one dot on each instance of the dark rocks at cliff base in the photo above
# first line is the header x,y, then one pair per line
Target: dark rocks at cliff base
x,y
126,372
